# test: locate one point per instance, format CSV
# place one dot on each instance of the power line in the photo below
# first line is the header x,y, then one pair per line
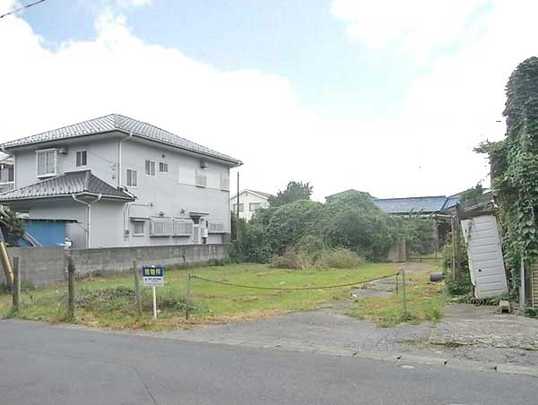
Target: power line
x,y
24,6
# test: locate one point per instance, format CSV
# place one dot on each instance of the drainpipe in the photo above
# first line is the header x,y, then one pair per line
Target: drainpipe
x,y
120,155
89,205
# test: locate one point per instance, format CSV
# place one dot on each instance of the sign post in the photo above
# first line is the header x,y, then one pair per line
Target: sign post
x,y
153,276
154,302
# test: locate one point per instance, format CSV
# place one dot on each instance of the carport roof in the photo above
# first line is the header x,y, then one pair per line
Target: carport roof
x,y
77,183
416,205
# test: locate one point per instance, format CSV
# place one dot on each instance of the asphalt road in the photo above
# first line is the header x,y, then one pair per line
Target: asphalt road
x,y
43,364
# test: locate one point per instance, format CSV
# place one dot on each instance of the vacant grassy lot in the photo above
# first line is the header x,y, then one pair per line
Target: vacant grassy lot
x,y
109,301
425,300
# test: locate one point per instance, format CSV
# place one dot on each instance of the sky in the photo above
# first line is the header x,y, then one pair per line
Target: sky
x,y
383,96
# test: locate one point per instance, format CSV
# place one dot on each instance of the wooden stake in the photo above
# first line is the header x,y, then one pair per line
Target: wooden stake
x,y
404,296
6,264
16,290
138,297
70,289
188,297
522,298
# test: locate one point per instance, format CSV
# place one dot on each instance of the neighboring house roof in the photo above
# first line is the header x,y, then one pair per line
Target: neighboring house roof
x,y
121,123
260,194
416,205
72,183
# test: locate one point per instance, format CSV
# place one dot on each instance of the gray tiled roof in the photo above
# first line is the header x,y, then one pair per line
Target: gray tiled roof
x,y
65,185
413,205
117,122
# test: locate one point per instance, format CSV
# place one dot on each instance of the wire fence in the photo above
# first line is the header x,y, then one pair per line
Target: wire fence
x,y
321,287
66,299
189,307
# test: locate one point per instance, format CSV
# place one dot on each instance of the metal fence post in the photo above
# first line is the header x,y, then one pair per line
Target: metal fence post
x,y
70,289
396,281
16,288
138,297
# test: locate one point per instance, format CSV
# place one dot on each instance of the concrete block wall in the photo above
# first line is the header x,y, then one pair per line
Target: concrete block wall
x,y
42,266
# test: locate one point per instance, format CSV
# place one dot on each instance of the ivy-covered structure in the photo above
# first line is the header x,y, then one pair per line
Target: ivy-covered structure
x,y
514,173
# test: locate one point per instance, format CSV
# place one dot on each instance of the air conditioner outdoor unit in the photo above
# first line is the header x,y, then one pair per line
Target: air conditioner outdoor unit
x,y
203,164
62,150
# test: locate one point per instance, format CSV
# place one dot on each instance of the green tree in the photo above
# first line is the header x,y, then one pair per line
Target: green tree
x,y
295,191
12,227
291,222
472,195
353,221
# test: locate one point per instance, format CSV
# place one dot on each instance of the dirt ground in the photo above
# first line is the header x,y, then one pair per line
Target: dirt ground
x,y
466,332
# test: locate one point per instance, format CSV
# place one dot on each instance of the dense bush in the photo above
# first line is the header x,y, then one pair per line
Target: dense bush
x,y
338,258
291,222
349,226
353,221
252,245
292,259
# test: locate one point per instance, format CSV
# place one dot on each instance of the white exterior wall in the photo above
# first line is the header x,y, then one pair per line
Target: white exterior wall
x,y
102,158
173,194
246,198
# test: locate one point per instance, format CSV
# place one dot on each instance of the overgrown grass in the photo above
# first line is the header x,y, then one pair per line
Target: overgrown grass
x,y
109,301
425,301
326,258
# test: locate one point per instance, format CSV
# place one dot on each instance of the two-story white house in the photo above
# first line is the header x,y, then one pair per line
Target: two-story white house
x,y
249,202
7,173
124,182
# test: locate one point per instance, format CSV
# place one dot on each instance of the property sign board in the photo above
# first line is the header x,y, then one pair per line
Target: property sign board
x,y
153,276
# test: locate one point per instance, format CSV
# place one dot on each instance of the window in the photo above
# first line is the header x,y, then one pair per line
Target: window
x,y
81,158
46,162
225,181
254,206
163,167
131,178
150,167
201,178
241,207
138,228
183,227
6,174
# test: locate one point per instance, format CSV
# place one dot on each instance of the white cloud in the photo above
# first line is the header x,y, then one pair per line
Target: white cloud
x,y
456,104
256,116
412,25
133,3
